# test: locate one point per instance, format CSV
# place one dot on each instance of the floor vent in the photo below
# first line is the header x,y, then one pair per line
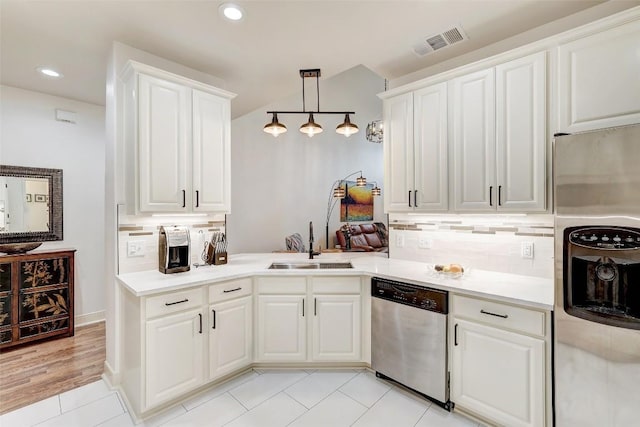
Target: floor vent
x,y
439,41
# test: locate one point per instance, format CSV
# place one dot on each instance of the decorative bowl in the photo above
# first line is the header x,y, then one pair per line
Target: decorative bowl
x,y
18,248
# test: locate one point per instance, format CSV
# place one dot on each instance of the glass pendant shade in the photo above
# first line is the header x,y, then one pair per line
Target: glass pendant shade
x,y
339,192
311,127
347,128
375,191
361,181
275,128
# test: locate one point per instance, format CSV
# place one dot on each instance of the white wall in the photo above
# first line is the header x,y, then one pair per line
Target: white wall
x,y
30,136
280,184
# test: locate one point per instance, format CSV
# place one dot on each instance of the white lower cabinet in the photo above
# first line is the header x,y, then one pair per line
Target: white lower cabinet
x,y
336,328
174,356
309,319
282,333
230,336
499,371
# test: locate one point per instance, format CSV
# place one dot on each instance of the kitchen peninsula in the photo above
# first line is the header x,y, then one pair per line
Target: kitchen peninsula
x,y
184,332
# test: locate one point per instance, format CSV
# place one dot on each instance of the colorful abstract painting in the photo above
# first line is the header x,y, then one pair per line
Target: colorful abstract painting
x,y
357,204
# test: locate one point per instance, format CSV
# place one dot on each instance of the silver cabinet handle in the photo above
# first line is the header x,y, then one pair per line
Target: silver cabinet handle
x,y
504,316
302,307
176,302
315,306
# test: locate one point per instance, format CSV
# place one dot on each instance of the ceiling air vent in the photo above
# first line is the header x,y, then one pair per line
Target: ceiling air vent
x,y
438,41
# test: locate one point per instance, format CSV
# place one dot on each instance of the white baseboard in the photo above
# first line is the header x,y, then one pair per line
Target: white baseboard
x,y
89,318
110,376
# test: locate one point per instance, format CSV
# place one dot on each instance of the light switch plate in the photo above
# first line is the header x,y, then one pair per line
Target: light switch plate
x,y
526,249
399,241
424,243
135,248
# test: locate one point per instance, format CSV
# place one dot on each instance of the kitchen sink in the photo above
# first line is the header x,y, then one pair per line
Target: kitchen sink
x,y
309,265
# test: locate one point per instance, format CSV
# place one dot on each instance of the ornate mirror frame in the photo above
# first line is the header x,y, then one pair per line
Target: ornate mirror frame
x,y
55,204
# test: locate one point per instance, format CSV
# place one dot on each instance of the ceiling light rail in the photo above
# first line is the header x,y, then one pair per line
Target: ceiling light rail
x,y
310,128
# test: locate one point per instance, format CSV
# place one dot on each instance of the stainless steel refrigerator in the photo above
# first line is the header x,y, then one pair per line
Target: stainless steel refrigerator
x,y
597,278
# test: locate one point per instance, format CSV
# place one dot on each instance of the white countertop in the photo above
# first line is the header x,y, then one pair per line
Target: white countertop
x,y
525,290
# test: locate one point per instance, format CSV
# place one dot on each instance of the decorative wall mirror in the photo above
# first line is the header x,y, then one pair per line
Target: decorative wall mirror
x,y
30,204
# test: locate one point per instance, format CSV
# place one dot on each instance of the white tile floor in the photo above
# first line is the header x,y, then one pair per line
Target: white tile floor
x,y
263,398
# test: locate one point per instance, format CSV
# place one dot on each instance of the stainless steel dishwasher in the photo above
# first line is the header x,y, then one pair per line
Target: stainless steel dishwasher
x,y
409,337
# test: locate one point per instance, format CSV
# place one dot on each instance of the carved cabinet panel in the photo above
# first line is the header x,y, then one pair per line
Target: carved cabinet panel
x,y
36,296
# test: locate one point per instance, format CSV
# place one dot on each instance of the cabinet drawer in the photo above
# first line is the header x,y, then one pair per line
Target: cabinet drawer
x,y
173,302
282,285
501,315
229,290
335,285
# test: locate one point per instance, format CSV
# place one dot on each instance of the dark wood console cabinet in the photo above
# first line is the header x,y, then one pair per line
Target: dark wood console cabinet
x,y
36,296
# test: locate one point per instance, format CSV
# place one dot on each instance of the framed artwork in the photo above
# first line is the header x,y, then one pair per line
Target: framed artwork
x,y
27,198
357,205
40,198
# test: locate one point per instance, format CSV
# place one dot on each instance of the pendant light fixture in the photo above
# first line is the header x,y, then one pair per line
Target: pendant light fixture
x,y
310,128
347,128
275,128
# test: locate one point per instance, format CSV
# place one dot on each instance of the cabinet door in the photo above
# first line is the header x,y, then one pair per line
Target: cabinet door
x,y
229,336
398,153
498,374
430,148
174,356
336,327
282,334
163,136
598,84
211,153
473,132
521,133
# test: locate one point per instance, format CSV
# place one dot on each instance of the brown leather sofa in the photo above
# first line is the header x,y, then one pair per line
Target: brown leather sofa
x,y
364,238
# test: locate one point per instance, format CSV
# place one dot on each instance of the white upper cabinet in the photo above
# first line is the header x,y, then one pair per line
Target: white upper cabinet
x,y
430,148
499,137
598,83
473,133
416,150
163,135
398,153
521,133
211,152
177,137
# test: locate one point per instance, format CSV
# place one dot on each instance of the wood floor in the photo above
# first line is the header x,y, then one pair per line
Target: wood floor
x,y
34,372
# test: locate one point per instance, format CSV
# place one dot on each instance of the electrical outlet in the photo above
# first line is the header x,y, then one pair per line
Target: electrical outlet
x,y
399,241
424,243
135,248
526,249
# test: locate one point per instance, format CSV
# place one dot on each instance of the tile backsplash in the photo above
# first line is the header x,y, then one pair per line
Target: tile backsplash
x,y
488,242
145,230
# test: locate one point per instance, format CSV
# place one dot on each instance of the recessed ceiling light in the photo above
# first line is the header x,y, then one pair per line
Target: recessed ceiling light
x,y
50,72
231,11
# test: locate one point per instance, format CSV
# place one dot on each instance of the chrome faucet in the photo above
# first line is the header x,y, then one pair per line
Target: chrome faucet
x,y
311,252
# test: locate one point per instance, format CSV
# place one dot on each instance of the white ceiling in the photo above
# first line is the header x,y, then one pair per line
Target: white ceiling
x,y
260,56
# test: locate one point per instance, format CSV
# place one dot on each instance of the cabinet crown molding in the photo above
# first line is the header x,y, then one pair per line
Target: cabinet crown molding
x,y
138,67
